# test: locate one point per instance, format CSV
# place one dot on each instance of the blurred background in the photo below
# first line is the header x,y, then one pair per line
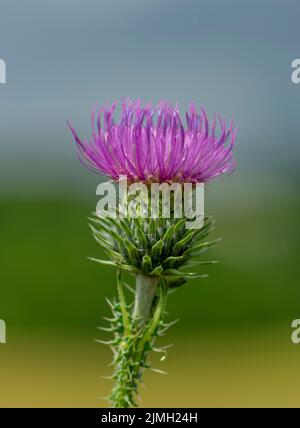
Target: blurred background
x,y
232,346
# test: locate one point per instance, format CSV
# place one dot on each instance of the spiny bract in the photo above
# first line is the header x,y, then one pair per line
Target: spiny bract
x,y
153,247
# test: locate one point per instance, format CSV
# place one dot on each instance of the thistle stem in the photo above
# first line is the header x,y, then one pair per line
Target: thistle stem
x,y
146,287
133,345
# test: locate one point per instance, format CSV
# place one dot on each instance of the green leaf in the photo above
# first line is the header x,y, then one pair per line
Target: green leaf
x,y
200,248
177,283
133,252
200,263
157,271
173,272
147,263
170,261
103,262
157,249
152,229
126,228
140,235
184,241
129,268
167,238
179,225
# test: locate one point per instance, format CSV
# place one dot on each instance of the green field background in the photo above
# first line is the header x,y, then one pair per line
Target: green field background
x,y
232,345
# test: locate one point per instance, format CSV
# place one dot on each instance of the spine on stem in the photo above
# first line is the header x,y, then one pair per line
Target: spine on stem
x,y
134,336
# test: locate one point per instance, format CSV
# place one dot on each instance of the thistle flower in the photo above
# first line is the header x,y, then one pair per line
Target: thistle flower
x,y
151,144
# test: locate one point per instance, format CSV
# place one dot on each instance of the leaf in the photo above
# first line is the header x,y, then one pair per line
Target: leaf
x,y
183,241
177,283
133,252
173,272
157,249
147,263
167,238
179,224
185,275
125,227
198,249
140,235
102,262
152,229
172,260
157,271
200,263
128,268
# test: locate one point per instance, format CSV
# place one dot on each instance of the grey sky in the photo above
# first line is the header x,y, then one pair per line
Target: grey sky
x,y
65,56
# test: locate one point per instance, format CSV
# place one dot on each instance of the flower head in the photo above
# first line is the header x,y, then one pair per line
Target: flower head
x,y
152,144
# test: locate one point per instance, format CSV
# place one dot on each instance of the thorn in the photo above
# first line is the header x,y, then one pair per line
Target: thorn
x,y
102,398
167,326
144,386
163,348
113,351
173,322
158,371
107,377
104,342
110,303
108,329
129,288
172,290
109,319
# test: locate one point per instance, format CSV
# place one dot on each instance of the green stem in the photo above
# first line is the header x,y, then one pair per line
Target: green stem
x,y
137,339
146,287
125,315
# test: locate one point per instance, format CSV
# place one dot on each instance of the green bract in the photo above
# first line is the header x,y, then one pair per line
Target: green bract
x,y
153,247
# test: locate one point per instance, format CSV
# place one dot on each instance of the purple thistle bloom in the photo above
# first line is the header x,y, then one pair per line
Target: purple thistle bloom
x,y
151,144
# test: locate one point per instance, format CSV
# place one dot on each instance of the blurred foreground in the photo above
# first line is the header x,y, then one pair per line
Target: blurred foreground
x,y
217,368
